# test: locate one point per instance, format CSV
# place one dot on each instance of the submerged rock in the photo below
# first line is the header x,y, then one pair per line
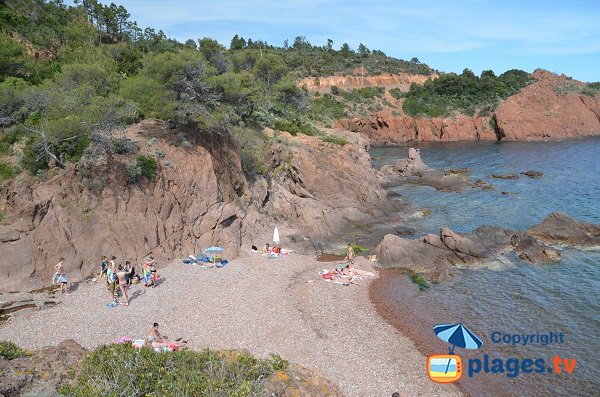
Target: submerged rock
x,y
532,174
504,176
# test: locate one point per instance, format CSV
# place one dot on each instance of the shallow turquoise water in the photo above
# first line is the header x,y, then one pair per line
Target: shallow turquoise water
x,y
523,298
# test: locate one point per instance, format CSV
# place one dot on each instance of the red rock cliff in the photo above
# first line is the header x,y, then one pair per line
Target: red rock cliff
x,y
538,112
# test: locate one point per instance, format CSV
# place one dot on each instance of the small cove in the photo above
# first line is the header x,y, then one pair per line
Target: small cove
x,y
516,298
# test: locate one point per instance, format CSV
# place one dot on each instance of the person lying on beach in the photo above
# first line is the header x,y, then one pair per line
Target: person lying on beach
x,y
61,276
266,249
158,340
122,277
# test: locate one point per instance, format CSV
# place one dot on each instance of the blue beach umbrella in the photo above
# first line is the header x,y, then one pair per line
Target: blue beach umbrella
x,y
457,335
212,250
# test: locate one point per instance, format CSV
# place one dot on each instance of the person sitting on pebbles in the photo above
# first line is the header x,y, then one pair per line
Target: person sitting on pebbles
x,y
158,340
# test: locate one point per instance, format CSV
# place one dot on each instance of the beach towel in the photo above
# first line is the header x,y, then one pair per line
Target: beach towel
x,y
124,339
112,304
188,261
138,343
223,263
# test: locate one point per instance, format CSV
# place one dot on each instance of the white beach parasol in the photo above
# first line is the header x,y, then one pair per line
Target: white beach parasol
x,y
276,235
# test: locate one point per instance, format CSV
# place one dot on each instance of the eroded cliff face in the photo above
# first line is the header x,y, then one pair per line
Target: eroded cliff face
x,y
200,198
360,79
539,112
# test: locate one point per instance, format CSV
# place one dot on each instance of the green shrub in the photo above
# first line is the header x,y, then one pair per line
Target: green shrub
x,y
7,171
294,127
335,140
143,166
124,146
254,146
9,350
396,93
327,107
464,93
121,370
419,280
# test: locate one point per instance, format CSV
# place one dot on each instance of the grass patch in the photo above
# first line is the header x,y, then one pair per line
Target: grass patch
x,y
10,351
359,248
294,127
335,140
419,280
121,370
7,171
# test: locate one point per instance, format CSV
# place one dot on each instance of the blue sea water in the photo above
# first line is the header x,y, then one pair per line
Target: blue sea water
x,y
520,298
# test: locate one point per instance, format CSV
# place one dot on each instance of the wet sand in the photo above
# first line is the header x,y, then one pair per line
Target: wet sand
x,y
396,299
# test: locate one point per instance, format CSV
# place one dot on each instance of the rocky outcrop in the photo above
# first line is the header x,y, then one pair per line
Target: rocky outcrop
x,y
200,198
541,111
360,79
559,228
387,127
41,373
437,255
414,170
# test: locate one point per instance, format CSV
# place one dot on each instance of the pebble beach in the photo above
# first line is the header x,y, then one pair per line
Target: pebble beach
x,y
256,304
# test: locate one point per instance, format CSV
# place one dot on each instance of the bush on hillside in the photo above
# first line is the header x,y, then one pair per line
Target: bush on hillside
x,y
464,93
9,350
118,370
142,166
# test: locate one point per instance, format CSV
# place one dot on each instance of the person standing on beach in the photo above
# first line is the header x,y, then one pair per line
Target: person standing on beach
x,y
349,253
111,278
103,268
61,276
122,276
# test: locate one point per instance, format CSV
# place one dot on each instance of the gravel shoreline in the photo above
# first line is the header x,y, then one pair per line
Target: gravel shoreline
x,y
254,303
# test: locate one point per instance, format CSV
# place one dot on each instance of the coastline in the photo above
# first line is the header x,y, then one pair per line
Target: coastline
x,y
257,304
413,320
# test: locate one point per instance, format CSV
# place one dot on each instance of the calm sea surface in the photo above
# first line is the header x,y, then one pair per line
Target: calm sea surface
x,y
518,298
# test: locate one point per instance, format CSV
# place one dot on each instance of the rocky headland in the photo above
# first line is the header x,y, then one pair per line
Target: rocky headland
x,y
549,108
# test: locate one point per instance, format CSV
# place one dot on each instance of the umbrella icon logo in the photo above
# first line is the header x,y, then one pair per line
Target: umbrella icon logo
x,y
447,368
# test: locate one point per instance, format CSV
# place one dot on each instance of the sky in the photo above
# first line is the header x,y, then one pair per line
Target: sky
x,y
560,36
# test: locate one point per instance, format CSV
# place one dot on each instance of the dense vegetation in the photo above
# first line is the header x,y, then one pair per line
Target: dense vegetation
x,y
464,93
70,76
10,351
122,370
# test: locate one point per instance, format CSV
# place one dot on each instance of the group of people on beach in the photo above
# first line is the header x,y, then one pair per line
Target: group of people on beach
x,y
122,276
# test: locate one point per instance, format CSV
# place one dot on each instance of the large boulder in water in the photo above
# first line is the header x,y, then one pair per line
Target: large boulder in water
x,y
558,228
530,250
464,245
